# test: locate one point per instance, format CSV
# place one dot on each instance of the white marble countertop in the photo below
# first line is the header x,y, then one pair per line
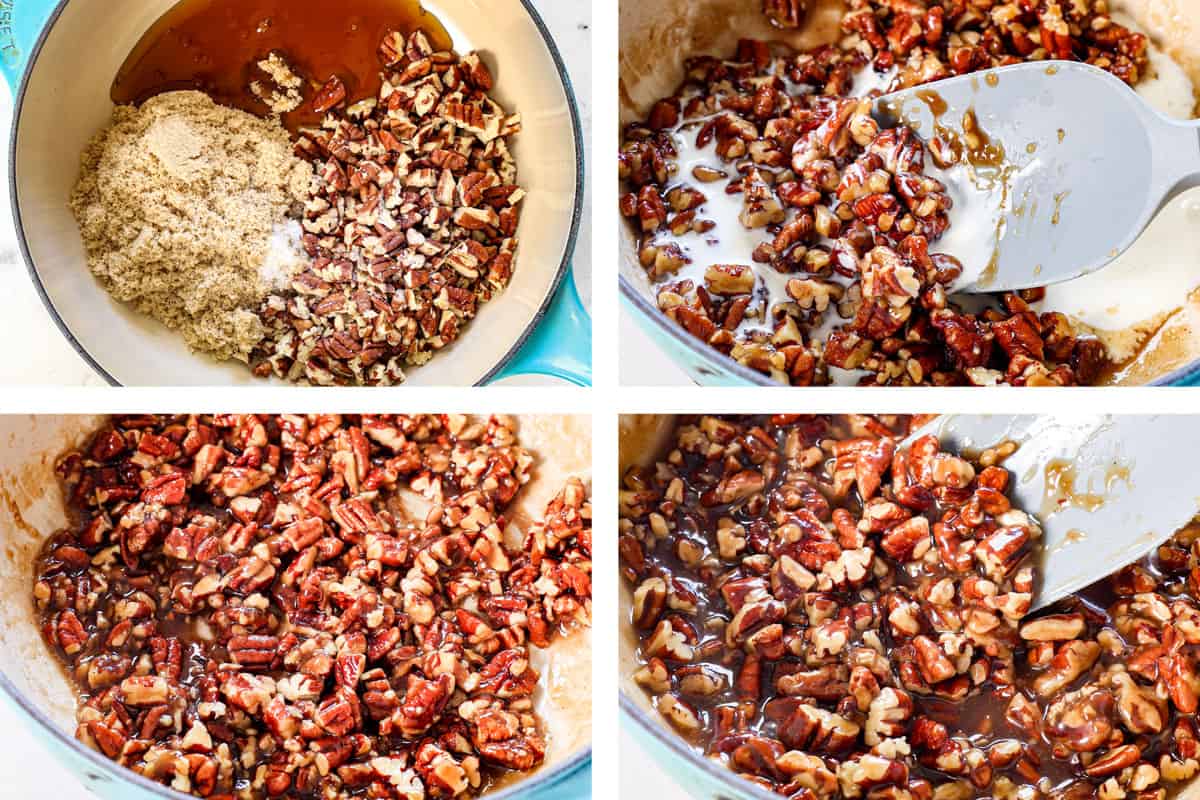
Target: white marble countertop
x,y
643,776
36,353
643,362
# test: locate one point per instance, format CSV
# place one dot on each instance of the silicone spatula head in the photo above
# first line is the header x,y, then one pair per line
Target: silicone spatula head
x,y
1054,168
1107,490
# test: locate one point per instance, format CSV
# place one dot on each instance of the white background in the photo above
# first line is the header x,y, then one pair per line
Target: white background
x,y
44,357
642,362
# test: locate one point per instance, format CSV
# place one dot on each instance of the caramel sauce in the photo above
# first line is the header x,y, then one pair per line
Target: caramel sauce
x,y
982,151
953,143
991,167
1061,492
215,45
1058,200
1074,536
935,101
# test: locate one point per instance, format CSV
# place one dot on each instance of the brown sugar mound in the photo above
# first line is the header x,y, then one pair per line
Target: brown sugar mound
x,y
184,209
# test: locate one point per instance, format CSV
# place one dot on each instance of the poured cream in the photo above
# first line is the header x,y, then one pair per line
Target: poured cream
x,y
731,242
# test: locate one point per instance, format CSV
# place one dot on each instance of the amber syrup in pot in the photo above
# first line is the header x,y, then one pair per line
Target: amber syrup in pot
x,y
215,45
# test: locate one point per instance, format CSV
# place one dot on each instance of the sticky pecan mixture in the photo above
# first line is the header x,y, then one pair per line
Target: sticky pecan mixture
x,y
832,615
411,222
249,609
846,220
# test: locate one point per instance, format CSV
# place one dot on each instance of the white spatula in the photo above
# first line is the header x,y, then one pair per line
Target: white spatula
x,y
1106,489
1070,165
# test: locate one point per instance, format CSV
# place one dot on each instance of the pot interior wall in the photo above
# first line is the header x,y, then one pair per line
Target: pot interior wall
x,y
67,102
563,447
644,438
31,509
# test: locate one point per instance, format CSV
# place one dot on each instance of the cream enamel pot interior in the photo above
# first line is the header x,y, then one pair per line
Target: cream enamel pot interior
x,y
657,35
645,439
74,49
32,680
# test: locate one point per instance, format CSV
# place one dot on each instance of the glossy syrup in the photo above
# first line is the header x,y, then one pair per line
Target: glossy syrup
x,y
215,45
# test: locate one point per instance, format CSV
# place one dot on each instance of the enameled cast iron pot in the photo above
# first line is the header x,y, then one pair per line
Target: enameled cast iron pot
x,y
34,683
60,57
656,35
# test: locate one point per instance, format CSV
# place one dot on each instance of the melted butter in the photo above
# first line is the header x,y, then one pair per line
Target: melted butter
x,y
215,45
1118,370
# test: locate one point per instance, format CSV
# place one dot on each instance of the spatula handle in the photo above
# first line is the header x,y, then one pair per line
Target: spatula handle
x,y
1176,149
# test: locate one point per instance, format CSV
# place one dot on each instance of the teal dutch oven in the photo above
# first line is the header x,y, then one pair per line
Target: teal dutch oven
x,y
36,687
60,57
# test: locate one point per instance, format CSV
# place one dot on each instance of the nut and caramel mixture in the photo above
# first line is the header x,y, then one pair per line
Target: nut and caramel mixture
x,y
411,222
841,271
832,614
251,607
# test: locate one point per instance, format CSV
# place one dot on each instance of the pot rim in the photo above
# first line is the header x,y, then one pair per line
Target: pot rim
x,y
679,748
717,359
560,275
112,770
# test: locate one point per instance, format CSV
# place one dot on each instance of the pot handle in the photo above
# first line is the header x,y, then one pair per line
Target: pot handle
x,y
577,785
561,345
21,23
